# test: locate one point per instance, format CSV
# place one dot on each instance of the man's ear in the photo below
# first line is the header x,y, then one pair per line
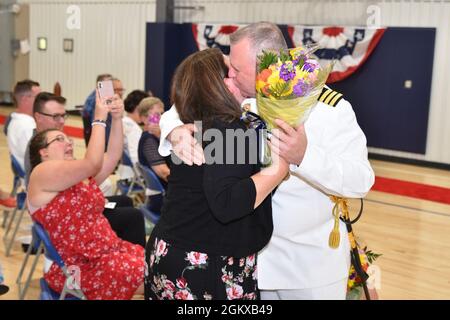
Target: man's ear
x,y
36,116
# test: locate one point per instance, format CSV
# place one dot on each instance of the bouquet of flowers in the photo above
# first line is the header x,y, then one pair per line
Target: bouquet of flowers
x,y
288,85
355,283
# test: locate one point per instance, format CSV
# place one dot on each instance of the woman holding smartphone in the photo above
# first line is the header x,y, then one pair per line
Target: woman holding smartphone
x,y
64,197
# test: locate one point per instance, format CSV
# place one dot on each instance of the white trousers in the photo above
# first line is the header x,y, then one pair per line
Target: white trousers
x,y
334,291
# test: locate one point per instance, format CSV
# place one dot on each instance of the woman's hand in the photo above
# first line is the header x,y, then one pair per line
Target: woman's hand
x,y
154,129
116,107
101,107
279,164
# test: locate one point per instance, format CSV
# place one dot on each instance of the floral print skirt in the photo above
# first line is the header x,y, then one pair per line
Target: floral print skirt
x,y
173,273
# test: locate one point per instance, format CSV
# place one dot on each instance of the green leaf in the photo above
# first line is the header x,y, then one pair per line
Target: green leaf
x,y
284,56
371,256
279,89
266,59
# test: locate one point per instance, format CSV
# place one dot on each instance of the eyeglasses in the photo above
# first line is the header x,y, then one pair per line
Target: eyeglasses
x,y
56,117
59,138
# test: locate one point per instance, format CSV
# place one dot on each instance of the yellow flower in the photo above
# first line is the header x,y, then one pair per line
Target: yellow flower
x,y
296,52
351,284
299,74
274,78
288,92
259,85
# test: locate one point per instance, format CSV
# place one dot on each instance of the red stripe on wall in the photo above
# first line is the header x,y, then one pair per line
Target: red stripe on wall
x,y
74,132
412,189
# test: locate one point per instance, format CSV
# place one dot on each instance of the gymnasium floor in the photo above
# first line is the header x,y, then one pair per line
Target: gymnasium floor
x,y
406,218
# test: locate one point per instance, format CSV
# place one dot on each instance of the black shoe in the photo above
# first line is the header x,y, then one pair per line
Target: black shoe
x,y
33,250
3,289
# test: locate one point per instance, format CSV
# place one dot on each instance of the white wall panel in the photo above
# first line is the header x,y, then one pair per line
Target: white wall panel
x,y
407,13
111,39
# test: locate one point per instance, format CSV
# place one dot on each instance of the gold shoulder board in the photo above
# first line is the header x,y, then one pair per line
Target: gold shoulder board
x,y
330,97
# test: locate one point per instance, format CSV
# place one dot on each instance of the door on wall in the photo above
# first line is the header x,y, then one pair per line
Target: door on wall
x,y
6,57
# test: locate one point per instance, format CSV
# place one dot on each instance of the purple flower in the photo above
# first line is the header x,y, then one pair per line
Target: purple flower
x,y
287,71
310,65
301,58
301,88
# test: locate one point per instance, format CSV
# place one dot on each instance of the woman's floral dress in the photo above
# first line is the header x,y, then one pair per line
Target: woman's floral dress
x,y
173,273
108,267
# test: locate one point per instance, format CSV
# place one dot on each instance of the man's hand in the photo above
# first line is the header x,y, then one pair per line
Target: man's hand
x,y
185,146
291,143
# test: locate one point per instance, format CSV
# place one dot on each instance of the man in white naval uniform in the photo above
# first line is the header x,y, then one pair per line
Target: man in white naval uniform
x,y
328,156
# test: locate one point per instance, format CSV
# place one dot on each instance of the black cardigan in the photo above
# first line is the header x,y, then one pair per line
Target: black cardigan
x,y
209,208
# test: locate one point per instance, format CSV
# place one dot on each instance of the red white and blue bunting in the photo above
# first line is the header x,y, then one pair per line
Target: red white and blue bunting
x,y
349,47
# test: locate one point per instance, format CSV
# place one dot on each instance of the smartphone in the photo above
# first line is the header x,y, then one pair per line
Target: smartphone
x,y
154,118
105,89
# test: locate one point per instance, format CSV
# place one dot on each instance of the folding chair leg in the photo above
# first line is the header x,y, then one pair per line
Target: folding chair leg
x,y
6,214
33,267
9,224
23,290
9,242
130,189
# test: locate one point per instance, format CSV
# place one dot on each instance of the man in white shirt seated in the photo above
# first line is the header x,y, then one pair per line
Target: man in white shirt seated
x,y
131,130
21,123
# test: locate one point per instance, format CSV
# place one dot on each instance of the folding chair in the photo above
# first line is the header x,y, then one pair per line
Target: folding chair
x,y
17,214
152,187
35,246
135,185
42,240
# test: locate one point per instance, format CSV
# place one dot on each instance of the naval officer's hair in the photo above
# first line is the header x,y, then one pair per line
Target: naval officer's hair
x,y
262,36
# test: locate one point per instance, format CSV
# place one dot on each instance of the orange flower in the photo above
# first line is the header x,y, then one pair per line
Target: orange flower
x,y
263,75
265,90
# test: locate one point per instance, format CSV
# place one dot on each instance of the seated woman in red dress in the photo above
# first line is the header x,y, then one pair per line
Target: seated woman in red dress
x,y
63,196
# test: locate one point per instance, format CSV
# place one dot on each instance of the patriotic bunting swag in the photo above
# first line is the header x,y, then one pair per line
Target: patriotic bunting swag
x,y
348,47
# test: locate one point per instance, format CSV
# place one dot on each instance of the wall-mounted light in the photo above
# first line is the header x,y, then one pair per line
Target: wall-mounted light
x,y
42,43
68,45
12,8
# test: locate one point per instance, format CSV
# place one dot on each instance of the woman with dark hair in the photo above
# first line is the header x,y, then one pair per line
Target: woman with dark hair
x,y
216,216
64,197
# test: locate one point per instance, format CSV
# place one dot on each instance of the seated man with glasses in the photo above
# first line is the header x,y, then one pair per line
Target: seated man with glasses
x,y
49,112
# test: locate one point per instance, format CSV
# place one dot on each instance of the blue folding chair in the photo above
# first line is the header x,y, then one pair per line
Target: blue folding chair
x,y
135,185
35,246
43,241
152,187
17,214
